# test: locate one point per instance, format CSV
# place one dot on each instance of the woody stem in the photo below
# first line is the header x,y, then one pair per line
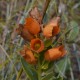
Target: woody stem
x,y
45,8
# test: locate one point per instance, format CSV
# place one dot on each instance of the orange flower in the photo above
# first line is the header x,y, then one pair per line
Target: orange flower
x,y
24,33
52,28
28,55
55,53
32,25
37,45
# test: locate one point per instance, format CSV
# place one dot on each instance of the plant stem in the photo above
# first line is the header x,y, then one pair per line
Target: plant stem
x,y
19,74
45,8
39,70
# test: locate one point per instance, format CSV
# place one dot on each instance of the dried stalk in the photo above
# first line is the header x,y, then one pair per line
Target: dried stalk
x,y
45,8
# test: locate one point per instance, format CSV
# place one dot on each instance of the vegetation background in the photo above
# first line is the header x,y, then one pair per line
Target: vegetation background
x,y
12,13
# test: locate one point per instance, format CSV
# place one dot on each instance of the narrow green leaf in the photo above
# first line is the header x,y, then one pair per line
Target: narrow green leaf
x,y
29,70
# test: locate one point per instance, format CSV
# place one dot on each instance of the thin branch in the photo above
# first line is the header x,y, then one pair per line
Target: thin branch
x,y
45,8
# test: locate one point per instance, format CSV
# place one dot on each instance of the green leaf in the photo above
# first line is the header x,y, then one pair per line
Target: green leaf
x,y
32,74
58,78
48,76
47,43
45,65
73,32
61,66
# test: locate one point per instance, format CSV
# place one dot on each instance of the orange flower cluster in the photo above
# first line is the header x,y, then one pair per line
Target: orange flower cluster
x,y
31,28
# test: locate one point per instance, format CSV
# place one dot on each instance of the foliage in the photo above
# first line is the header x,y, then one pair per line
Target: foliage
x,y
13,12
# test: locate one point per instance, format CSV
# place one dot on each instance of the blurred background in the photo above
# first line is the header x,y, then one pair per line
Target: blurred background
x,y
12,13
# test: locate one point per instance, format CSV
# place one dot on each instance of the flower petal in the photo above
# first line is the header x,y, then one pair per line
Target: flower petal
x,y
24,33
36,14
47,31
28,55
32,25
61,48
55,31
54,53
37,45
52,28
27,35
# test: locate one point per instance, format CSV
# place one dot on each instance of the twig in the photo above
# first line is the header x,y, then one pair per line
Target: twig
x,y
45,8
